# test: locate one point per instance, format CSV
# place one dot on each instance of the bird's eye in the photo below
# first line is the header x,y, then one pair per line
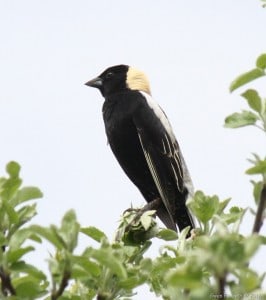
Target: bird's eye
x,y
109,75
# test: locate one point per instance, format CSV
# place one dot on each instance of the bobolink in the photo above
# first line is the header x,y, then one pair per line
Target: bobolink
x,y
144,144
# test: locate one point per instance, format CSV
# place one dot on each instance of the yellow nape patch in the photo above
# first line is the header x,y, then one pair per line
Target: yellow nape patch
x,y
137,80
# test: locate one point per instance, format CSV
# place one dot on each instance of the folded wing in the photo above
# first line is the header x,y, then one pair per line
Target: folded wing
x,y
165,163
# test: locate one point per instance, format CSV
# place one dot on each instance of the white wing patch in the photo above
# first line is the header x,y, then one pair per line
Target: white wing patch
x,y
160,114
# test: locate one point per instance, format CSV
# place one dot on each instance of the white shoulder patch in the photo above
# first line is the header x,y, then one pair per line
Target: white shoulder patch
x,y
160,114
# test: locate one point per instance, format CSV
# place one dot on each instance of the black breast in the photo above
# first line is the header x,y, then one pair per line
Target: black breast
x,y
124,141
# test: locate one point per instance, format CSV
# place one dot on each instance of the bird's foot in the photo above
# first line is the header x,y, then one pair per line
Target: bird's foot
x,y
138,225
153,205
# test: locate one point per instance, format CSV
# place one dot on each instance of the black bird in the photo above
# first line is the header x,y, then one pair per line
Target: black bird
x,y
144,144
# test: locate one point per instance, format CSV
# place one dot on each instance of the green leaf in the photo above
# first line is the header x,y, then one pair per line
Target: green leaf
x,y
228,247
3,240
26,213
77,272
86,264
12,215
234,215
204,207
253,99
244,118
13,168
163,264
27,287
93,233
26,194
59,235
250,280
257,188
19,237
69,230
10,188
137,235
106,257
138,252
252,244
48,234
130,283
261,61
188,277
15,255
223,205
147,219
167,235
246,78
259,168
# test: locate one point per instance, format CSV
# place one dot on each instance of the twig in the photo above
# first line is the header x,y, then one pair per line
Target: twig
x,y
221,287
101,297
259,215
64,282
6,284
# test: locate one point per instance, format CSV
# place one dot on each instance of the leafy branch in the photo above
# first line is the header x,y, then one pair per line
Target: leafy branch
x,y
260,210
6,287
63,285
114,269
256,116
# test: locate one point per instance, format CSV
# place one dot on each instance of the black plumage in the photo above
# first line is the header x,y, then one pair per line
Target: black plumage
x,y
144,144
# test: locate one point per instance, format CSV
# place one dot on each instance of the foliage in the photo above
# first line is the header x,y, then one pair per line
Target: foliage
x,y
213,263
256,115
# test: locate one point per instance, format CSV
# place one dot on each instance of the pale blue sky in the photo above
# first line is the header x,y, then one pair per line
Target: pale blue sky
x,y
52,124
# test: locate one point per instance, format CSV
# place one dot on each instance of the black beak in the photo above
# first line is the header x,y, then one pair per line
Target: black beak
x,y
96,82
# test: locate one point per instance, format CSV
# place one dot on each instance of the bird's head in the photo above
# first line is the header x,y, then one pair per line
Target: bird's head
x,y
119,78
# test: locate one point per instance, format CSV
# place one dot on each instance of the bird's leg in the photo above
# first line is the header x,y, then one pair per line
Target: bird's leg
x,y
152,205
